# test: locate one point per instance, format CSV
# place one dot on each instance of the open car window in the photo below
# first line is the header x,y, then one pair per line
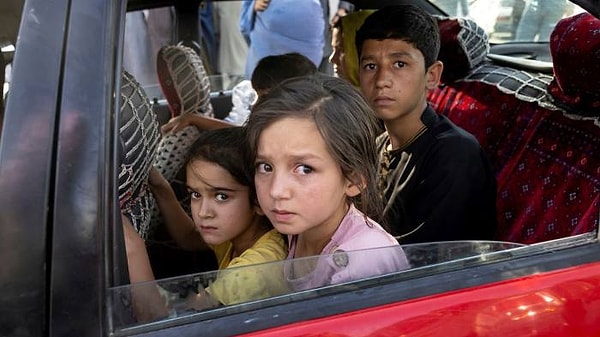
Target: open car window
x,y
211,294
147,30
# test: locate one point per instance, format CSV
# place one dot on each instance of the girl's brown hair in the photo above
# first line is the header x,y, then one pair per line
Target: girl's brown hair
x,y
344,119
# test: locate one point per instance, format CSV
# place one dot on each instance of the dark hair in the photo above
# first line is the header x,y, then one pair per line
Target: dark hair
x,y
225,147
272,70
403,22
344,119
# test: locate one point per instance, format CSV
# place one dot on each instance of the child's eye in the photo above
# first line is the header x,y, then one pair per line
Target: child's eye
x,y
399,64
194,194
303,169
221,197
368,66
263,168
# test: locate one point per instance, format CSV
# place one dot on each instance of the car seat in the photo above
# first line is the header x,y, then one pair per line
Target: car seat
x,y
541,134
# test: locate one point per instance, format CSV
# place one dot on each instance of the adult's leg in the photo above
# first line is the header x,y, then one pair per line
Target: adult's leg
x,y
233,48
530,21
552,11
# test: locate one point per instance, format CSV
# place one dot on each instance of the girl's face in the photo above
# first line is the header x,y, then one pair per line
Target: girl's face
x,y
299,185
220,206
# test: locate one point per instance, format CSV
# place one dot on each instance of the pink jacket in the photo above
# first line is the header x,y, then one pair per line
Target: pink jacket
x,y
354,252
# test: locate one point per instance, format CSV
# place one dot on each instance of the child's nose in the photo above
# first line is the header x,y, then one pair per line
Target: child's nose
x,y
205,211
383,78
280,186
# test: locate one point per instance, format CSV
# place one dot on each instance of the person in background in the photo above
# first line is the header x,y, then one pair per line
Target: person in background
x,y
325,67
269,72
344,8
225,218
539,18
233,49
273,70
280,27
435,177
145,33
208,35
451,7
343,55
312,145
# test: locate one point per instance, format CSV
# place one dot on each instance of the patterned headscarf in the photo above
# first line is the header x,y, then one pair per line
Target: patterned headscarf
x,y
138,139
575,48
463,46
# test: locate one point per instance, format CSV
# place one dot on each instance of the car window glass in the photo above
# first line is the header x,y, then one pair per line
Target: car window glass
x,y
187,295
512,20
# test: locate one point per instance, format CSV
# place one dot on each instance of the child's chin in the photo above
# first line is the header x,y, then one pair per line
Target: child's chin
x,y
212,241
285,229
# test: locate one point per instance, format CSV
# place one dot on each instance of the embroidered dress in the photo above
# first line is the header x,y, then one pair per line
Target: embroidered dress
x,y
341,261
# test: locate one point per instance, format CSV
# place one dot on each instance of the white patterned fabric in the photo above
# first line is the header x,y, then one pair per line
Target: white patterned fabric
x,y
139,136
186,86
525,86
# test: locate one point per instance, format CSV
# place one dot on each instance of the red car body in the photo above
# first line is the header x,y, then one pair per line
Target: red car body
x,y
559,303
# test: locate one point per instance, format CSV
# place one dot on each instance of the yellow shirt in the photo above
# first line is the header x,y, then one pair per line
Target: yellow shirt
x,y
236,285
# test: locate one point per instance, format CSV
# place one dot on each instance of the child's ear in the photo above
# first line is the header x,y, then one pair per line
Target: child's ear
x,y
434,74
355,183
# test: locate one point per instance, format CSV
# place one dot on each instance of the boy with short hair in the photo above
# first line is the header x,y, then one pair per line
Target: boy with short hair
x,y
434,175
271,70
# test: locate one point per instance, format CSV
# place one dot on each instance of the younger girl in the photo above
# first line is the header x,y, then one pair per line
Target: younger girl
x,y
226,218
312,142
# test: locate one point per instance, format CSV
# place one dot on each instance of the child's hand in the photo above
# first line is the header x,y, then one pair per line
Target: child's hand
x,y
201,301
175,124
199,121
341,12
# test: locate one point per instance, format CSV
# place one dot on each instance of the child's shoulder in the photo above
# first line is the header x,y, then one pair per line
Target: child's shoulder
x,y
269,247
449,136
271,240
360,232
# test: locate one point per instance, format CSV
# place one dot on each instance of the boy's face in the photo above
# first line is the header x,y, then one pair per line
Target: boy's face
x,y
394,79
